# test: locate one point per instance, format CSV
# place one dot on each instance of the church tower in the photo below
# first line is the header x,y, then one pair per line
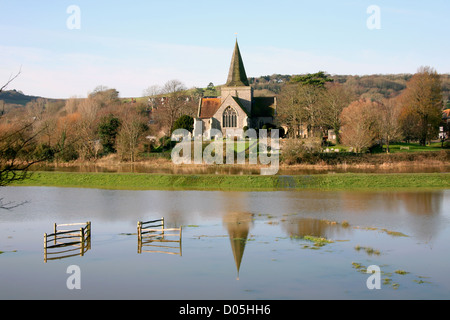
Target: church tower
x,y
237,83
236,108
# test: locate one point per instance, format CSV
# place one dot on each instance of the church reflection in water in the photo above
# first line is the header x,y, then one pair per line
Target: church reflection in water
x,y
238,226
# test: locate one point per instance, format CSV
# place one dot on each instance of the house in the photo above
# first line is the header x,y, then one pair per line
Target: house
x,y
236,109
445,128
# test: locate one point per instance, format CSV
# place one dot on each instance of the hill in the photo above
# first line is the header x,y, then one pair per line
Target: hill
x,y
369,86
16,97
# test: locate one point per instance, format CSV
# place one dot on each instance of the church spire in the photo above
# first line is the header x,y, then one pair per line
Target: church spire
x,y
237,76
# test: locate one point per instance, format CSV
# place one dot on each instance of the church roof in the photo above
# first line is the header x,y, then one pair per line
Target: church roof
x,y
236,99
263,107
237,76
208,107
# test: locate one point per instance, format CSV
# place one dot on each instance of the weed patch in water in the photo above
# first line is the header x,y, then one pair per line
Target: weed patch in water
x,y
358,266
402,272
369,250
317,241
394,233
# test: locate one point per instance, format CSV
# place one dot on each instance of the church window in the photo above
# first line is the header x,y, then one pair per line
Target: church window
x,y
229,118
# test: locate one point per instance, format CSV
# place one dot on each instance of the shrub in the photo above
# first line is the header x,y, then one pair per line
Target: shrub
x,y
300,150
184,122
44,152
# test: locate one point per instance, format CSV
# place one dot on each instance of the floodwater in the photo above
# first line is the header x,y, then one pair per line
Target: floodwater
x,y
234,245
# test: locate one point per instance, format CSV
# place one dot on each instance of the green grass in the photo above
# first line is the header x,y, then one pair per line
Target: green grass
x,y
138,181
413,147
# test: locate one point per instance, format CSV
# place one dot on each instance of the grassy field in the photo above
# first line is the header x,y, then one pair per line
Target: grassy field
x,y
135,181
413,147
399,147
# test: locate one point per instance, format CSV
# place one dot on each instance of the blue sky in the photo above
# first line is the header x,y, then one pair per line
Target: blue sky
x,y
131,45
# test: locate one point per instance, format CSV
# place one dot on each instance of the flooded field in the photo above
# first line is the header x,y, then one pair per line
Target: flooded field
x,y
233,245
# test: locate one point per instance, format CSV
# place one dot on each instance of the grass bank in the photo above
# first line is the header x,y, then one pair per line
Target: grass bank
x,y
136,181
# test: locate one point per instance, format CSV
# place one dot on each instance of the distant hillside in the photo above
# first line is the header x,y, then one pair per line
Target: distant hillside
x,y
16,97
369,86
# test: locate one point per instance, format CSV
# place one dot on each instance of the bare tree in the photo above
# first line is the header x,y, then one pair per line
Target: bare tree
x,y
289,110
174,102
359,124
422,100
131,134
11,79
152,91
334,100
300,107
17,140
87,128
389,126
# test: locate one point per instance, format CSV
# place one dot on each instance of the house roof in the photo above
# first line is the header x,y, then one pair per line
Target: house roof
x,y
263,107
237,76
238,102
208,107
446,114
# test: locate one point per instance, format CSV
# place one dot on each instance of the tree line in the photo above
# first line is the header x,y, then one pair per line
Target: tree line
x,y
87,129
102,123
316,103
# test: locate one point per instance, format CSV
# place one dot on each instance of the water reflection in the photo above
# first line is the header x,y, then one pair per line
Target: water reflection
x,y
422,203
298,228
62,243
153,234
238,225
416,203
420,211
278,267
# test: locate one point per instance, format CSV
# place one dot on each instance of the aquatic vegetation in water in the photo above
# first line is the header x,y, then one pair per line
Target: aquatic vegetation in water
x,y
317,241
8,251
388,276
389,232
369,250
401,272
359,267
394,233
420,281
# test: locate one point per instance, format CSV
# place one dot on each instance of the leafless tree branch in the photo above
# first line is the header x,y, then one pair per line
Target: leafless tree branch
x,y
11,79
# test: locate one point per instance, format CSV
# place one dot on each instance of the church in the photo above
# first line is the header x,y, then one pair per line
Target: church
x,y
236,109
